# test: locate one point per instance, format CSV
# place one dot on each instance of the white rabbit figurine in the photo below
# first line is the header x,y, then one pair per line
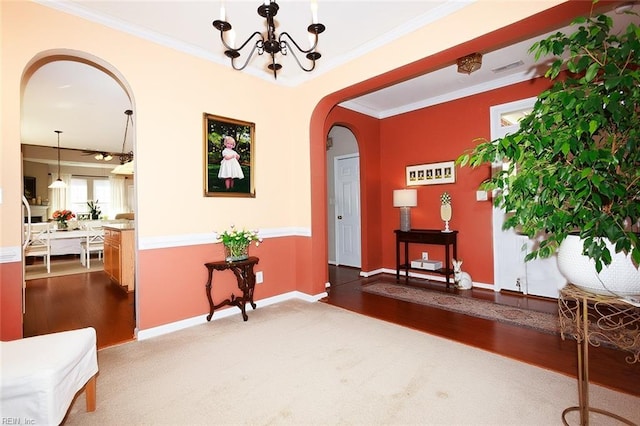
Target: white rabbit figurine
x,y
462,279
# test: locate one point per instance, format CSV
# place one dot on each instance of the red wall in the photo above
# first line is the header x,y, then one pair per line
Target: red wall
x,y
10,301
434,134
474,232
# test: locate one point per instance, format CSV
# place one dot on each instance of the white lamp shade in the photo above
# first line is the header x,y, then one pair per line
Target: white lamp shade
x,y
405,197
123,169
57,184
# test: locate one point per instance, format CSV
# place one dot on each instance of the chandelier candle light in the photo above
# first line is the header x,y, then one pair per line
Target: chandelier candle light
x,y
405,199
445,210
270,42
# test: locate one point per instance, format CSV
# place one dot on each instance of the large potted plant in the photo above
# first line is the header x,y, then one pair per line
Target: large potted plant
x,y
573,168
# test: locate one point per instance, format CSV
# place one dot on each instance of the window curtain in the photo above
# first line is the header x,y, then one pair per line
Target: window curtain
x,y
118,196
60,198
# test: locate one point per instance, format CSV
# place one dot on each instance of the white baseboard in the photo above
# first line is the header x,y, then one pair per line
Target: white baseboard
x,y
427,276
232,310
372,273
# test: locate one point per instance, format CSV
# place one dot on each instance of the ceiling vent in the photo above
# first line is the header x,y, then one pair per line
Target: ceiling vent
x,y
507,67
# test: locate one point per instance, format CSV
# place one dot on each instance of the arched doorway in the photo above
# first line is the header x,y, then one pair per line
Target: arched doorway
x,y
85,98
343,198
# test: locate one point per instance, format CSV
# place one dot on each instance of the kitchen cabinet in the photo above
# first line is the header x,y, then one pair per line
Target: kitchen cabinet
x,y
119,258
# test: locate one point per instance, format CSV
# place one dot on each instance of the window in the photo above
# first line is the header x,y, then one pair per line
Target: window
x,y
102,193
84,189
78,194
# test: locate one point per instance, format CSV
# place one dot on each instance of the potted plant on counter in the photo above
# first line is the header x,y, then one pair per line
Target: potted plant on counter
x,y
573,169
94,210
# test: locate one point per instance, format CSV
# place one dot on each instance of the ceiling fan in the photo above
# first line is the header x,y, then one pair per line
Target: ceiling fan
x,y
123,156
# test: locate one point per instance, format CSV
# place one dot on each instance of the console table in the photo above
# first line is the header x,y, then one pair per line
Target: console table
x,y
243,270
426,236
593,319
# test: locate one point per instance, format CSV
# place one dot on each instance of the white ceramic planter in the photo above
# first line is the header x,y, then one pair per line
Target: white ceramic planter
x,y
620,278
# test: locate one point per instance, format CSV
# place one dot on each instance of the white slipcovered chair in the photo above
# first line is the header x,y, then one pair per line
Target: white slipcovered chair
x,y
42,374
38,242
92,242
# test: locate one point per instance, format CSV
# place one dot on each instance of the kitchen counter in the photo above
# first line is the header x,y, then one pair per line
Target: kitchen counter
x,y
120,226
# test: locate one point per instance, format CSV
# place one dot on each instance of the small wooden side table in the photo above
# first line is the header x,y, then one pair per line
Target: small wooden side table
x,y
592,319
243,270
426,236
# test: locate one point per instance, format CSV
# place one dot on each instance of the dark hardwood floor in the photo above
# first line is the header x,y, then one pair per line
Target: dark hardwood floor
x,y
90,299
607,367
76,301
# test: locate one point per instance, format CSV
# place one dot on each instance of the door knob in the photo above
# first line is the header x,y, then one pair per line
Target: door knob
x,y
340,217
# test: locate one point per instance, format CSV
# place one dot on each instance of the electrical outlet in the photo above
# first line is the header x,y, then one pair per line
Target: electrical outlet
x,y
259,277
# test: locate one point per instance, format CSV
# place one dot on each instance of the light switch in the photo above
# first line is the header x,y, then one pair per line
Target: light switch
x,y
481,196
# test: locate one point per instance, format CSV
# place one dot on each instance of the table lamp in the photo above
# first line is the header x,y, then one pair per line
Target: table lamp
x,y
405,199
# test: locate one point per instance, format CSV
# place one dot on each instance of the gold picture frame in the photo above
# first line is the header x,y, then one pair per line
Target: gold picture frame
x,y
431,173
228,170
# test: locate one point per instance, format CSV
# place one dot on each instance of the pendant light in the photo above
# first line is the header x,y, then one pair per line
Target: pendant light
x,y
58,183
126,158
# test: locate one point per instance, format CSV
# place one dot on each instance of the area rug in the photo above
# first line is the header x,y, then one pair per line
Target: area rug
x,y
60,268
540,321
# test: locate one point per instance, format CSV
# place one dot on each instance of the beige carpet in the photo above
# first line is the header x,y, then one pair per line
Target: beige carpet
x,y
305,363
541,321
60,268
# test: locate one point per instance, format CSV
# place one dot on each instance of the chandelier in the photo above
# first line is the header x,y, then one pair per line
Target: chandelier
x,y
470,63
270,42
126,158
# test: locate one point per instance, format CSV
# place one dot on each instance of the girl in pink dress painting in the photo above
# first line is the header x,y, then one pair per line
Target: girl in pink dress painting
x,y
230,166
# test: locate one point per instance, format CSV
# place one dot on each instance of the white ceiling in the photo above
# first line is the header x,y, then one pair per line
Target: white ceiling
x,y
88,105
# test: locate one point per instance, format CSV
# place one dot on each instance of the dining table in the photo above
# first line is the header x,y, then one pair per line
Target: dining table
x,y
66,241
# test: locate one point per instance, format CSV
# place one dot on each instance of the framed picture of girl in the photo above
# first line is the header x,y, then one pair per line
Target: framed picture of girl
x,y
228,157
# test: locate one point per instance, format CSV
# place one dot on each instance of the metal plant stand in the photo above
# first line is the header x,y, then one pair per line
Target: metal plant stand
x,y
593,319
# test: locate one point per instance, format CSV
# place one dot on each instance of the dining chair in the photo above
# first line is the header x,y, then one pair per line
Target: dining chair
x,y
38,242
93,241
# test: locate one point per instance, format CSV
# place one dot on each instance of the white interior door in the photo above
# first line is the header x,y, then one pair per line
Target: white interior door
x,y
539,277
347,210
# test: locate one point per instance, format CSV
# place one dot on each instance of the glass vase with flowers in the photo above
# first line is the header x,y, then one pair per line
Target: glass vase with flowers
x,y
236,243
62,216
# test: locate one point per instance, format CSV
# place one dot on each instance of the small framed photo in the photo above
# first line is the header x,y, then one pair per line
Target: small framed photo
x,y
228,157
431,173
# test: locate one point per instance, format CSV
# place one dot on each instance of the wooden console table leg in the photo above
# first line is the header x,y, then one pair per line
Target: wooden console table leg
x,y
407,262
246,283
208,290
246,280
397,259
